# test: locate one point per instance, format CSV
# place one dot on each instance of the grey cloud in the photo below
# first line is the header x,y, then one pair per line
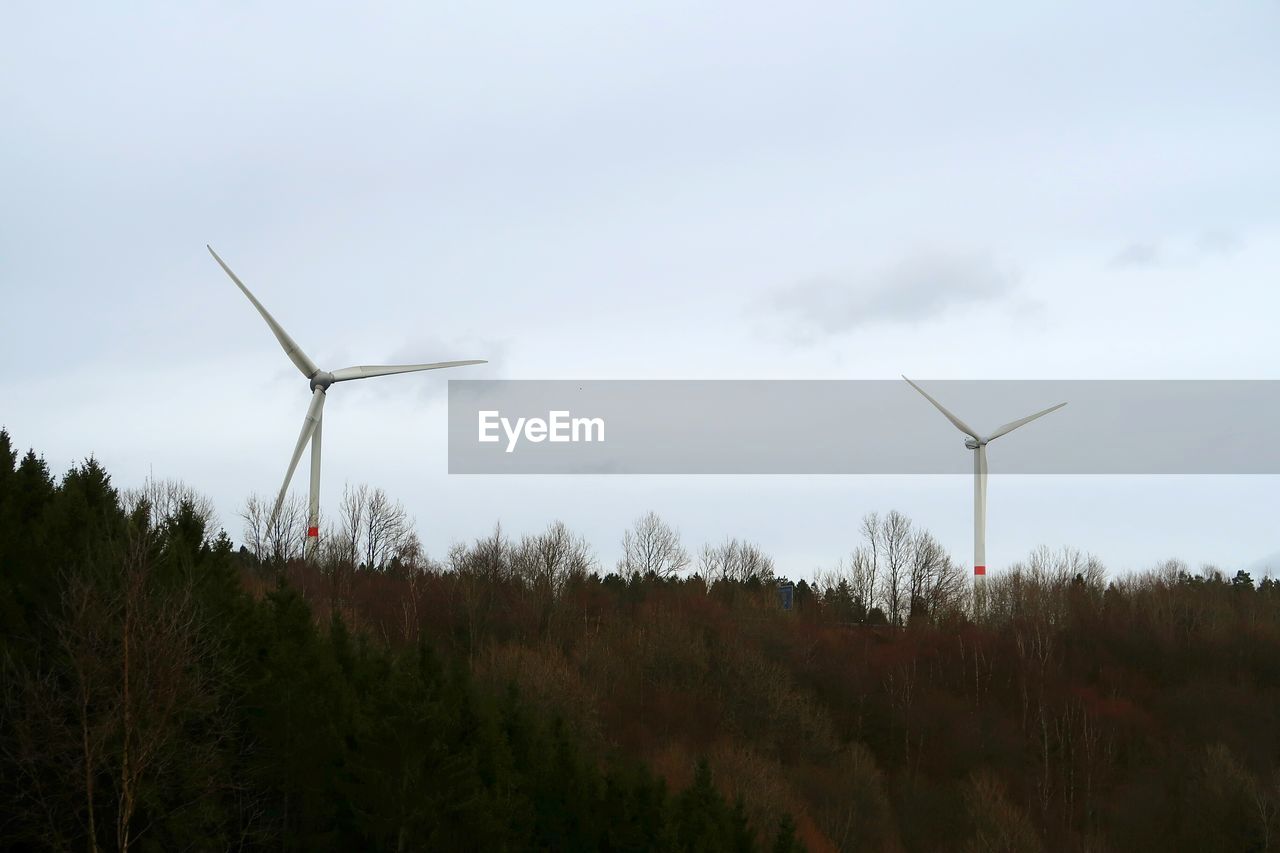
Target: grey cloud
x,y
919,287
1218,242
1136,255
1148,254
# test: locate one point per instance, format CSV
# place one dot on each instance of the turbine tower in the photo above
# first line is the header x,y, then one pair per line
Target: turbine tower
x,y
320,381
978,444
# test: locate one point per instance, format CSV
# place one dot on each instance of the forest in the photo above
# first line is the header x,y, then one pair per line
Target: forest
x,y
165,688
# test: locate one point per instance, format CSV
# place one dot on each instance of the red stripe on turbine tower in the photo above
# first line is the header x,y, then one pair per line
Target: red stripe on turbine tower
x,y
979,570
313,531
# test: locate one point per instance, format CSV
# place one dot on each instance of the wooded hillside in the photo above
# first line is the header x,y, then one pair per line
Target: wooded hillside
x,y
163,688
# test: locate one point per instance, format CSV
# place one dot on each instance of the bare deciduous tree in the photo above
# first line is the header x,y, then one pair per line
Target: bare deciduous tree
x,y
895,543
652,546
352,515
412,557
900,570
372,528
866,567
416,566
935,582
864,564
1041,587
164,499
386,528
479,572
282,539
548,560
734,560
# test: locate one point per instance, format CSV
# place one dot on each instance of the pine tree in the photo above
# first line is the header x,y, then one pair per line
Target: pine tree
x,y
786,841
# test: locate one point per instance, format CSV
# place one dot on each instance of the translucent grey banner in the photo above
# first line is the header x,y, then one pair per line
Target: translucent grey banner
x,y
861,427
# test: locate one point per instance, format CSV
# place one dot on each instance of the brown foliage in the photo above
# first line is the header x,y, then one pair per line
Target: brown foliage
x,y
1062,719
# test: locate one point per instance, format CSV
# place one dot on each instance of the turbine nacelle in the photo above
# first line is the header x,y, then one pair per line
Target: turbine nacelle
x,y
322,380
974,444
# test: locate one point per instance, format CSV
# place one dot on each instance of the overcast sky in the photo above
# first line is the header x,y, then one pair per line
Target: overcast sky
x,y
656,190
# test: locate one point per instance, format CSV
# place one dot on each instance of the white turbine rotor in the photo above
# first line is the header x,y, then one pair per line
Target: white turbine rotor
x,y
314,420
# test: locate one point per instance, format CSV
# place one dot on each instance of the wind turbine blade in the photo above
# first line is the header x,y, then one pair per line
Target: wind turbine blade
x,y
1012,425
959,424
364,371
309,424
291,348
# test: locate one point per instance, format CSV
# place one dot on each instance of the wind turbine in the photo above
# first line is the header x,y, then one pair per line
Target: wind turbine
x,y
978,444
314,420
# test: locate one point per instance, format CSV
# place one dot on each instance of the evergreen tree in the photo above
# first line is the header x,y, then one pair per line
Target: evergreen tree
x,y
786,841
